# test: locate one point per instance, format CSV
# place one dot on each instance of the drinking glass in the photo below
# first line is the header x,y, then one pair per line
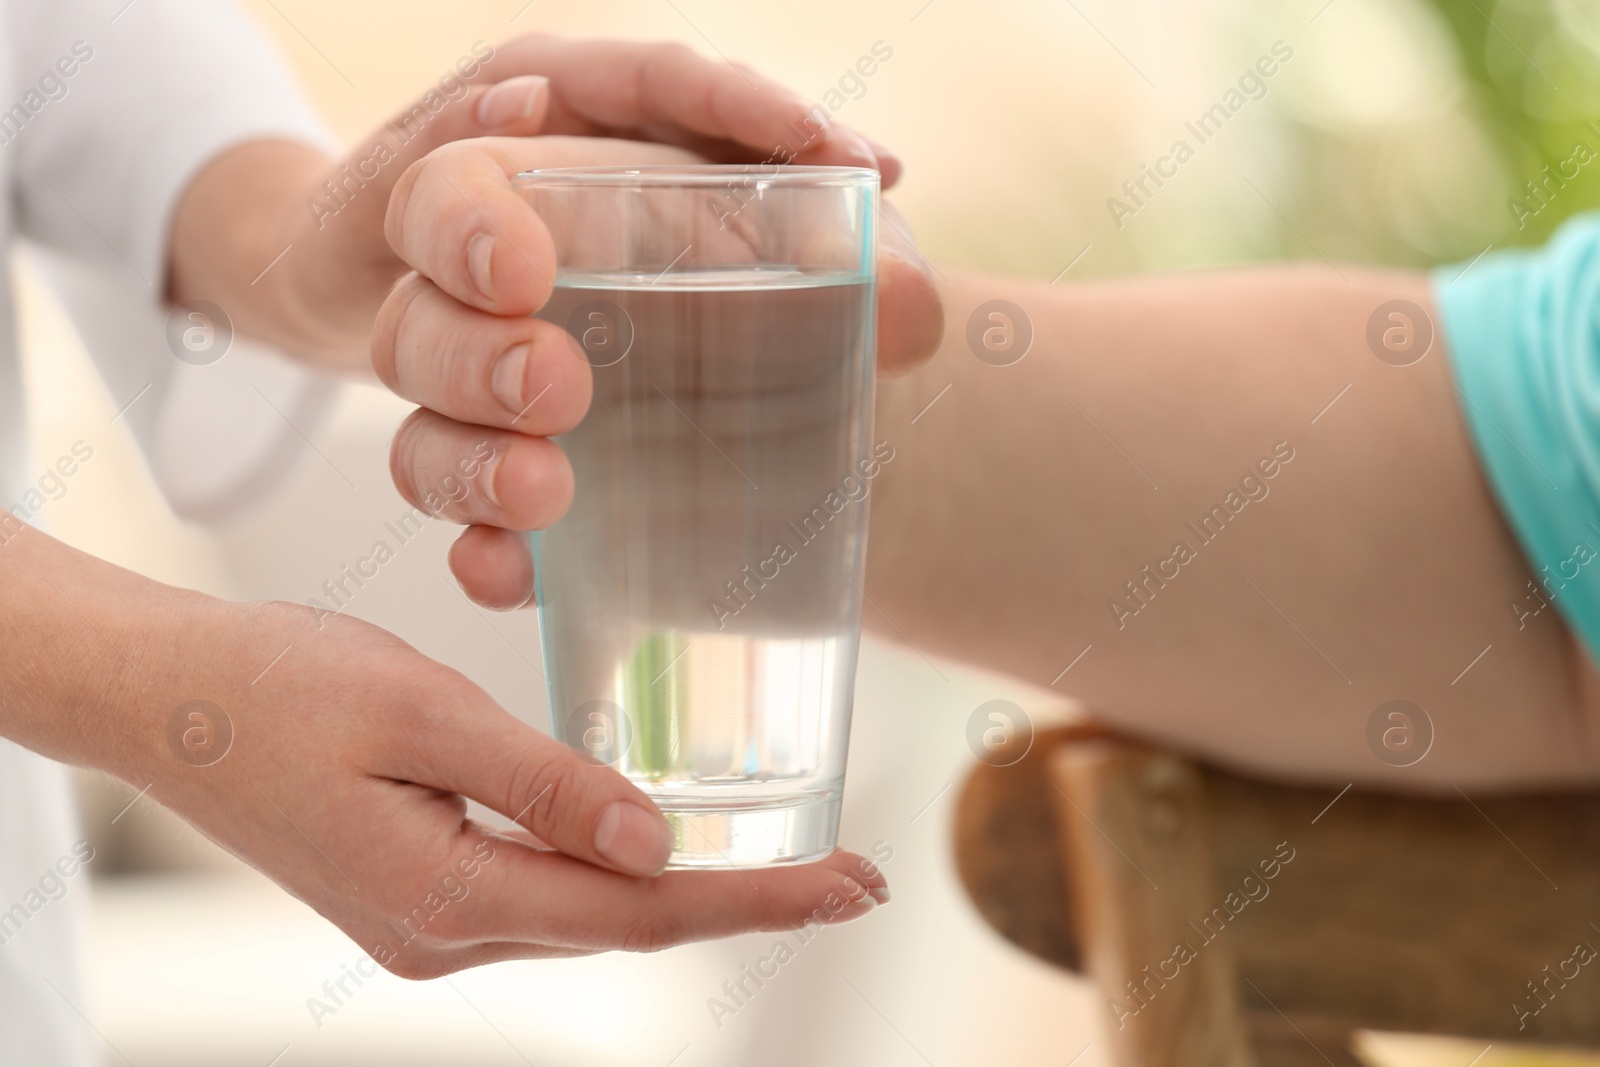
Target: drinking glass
x,y
700,602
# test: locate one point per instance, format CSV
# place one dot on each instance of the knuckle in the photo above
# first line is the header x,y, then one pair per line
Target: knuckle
x,y
463,354
403,452
543,784
653,931
436,695
394,217
450,155
391,326
673,54
415,207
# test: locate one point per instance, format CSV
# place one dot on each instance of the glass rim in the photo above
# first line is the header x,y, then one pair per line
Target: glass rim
x,y
696,176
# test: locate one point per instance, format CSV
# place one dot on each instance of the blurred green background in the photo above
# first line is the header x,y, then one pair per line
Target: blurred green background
x,y
1508,151
1534,87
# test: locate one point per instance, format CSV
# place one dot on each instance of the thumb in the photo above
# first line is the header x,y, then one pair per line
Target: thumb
x,y
356,192
584,810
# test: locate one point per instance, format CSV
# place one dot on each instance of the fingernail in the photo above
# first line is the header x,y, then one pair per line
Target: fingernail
x,y
510,101
887,160
856,909
902,247
510,374
879,893
633,839
861,902
855,147
480,263
880,150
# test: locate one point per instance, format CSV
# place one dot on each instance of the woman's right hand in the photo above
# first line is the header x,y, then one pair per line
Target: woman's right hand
x,y
335,758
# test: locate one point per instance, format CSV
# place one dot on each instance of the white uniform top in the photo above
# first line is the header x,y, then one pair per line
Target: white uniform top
x,y
107,109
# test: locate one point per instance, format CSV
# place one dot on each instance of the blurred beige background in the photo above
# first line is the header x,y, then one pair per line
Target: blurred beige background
x,y
1017,121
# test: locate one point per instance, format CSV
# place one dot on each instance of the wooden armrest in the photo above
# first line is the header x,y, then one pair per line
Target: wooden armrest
x,y
1008,848
1304,916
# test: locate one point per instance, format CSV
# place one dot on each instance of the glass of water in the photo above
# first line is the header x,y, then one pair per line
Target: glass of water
x,y
700,603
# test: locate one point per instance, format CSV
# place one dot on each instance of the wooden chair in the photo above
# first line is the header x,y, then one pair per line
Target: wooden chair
x,y
1229,921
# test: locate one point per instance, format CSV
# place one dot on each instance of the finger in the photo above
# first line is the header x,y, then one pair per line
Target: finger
x,y
842,147
551,900
476,474
463,946
910,312
890,169
359,189
494,567
455,218
514,373
669,93
590,813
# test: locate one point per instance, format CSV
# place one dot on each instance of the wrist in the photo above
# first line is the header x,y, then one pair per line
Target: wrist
x,y
327,288
245,237
171,645
338,267
92,655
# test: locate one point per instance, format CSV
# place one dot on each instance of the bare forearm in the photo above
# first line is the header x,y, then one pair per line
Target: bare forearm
x,y
1372,565
89,653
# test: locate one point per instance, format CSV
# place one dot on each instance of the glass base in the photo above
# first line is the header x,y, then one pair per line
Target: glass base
x,y
793,830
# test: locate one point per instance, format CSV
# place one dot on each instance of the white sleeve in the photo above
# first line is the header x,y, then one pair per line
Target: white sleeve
x,y
156,93
114,107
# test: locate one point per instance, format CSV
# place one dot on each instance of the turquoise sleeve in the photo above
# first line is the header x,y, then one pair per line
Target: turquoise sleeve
x,y
1522,332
